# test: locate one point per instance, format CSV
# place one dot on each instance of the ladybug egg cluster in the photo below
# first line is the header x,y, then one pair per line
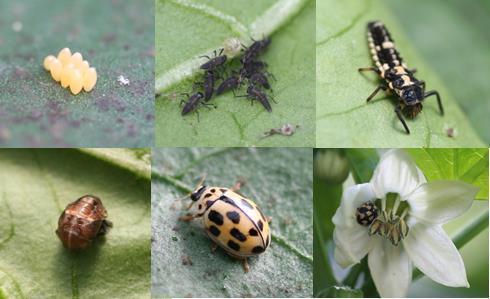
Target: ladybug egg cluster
x,y
71,71
366,213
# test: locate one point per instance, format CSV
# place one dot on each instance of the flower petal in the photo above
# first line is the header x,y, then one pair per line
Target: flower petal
x,y
396,173
440,201
351,245
352,241
433,252
390,269
352,198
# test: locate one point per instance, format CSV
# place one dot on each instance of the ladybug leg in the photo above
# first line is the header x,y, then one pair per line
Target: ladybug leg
x,y
400,117
238,185
190,205
269,219
187,217
105,227
246,267
431,93
375,92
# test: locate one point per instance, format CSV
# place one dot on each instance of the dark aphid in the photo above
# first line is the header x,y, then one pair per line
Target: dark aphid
x,y
81,222
260,79
251,67
397,77
256,48
217,61
254,93
230,83
208,85
366,213
192,103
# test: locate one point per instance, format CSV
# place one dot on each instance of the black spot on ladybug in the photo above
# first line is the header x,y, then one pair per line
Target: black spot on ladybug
x,y
267,241
233,245
238,235
222,190
261,225
258,249
227,200
215,217
214,230
262,215
233,216
199,207
207,195
213,190
253,232
209,203
366,213
247,204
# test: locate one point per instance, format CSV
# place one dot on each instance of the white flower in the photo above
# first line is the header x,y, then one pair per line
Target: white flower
x,y
411,235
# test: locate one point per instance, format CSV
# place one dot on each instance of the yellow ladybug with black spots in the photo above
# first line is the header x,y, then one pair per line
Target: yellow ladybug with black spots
x,y
232,221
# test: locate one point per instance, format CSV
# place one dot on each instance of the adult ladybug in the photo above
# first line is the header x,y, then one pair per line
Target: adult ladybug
x,y
81,222
234,222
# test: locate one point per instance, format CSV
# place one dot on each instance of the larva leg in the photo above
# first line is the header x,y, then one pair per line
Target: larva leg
x,y
400,117
375,92
431,93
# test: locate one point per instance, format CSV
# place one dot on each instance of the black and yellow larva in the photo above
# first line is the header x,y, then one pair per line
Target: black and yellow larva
x,y
397,77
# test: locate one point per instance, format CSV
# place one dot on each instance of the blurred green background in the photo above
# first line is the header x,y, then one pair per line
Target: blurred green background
x,y
454,39
331,169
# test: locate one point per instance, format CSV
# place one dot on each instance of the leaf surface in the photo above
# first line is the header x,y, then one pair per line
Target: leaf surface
x,y
344,119
468,165
198,28
115,37
278,180
35,186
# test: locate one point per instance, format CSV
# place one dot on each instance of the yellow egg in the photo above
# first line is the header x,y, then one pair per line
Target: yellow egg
x,y
76,59
64,56
89,79
76,81
66,75
56,69
47,62
83,67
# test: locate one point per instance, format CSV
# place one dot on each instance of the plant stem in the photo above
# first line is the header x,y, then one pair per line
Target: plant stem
x,y
464,236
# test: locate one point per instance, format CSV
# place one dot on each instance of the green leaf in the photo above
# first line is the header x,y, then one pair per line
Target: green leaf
x,y
469,35
468,165
340,292
115,37
278,180
344,119
198,28
35,186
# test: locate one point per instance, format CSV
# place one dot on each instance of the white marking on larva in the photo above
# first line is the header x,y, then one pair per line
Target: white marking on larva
x,y
370,39
386,66
373,51
399,70
388,45
407,81
371,45
378,48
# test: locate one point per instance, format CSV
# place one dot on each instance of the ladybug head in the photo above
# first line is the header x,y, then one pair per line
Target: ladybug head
x,y
197,193
412,95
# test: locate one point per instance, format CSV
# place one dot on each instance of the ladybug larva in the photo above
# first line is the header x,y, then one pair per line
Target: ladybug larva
x,y
232,221
81,222
71,71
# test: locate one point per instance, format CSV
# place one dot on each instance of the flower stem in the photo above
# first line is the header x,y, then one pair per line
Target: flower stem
x,y
465,235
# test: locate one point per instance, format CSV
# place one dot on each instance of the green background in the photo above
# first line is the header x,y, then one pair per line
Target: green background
x,y
115,37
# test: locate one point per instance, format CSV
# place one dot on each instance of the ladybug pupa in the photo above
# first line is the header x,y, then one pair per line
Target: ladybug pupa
x,y
71,71
232,221
81,222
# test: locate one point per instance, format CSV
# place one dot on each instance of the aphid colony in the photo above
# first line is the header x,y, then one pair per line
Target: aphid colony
x,y
71,71
397,77
232,221
251,70
384,223
81,222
